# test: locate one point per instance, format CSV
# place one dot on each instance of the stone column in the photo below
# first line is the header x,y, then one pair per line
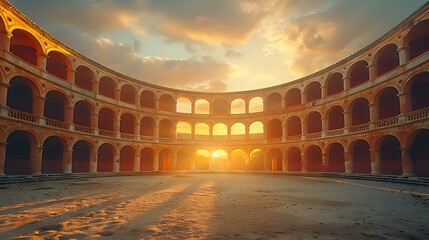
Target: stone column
x,y
95,85
325,162
38,106
348,162
303,97
283,102
156,162
71,74
324,91
41,61
403,55
375,161
137,163
137,99
266,163
404,103
283,132
36,160
193,107
67,164
174,162
247,162
408,168
303,128
373,113
3,93
346,83
372,69
93,162
68,115
2,157
304,161
116,162
118,94
193,131
94,121
193,163
5,41
116,125
246,107
347,119
325,124
284,163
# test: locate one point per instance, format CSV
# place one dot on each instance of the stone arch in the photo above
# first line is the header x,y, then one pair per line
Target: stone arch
x,y
386,59
147,126
166,129
183,105
313,155
314,122
147,157
220,131
274,160
58,64
238,131
238,159
107,119
256,160
293,126
81,156
358,73
256,130
273,102
25,46
202,106
84,77
184,160
166,103
82,113
202,159
147,99
128,123
313,91
294,161
335,157
202,131
359,109
220,107
387,100
107,87
56,103
334,84
390,155
126,159
418,89
360,156
335,117
21,93
238,106
274,129
256,104
219,160
293,97
165,160
19,158
106,157
417,38
418,151
53,155
183,130
128,94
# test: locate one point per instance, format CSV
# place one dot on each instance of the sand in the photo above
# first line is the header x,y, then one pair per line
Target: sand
x,y
213,206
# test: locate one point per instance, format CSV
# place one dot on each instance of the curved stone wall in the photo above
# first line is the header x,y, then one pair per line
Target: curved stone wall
x,y
61,112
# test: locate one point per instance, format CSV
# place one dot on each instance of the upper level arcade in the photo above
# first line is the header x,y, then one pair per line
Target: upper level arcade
x,y
366,114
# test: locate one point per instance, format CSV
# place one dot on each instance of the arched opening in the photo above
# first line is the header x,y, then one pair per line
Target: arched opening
x,y
105,158
220,131
184,160
166,129
336,160
183,105
314,122
418,38
81,156
18,153
165,160
128,122
256,160
273,102
390,156
20,95
420,91
314,159
361,157
107,87
238,131
202,131
334,84
360,111
25,46
53,155
238,106
147,99
274,159
84,77
313,91
55,103
388,103
147,127
82,113
166,103
202,159
419,152
336,118
387,59
128,94
183,130
57,64
256,130
359,73
238,160
274,129
147,156
293,97
126,160
202,106
220,107
220,160
293,126
294,162
256,104
106,119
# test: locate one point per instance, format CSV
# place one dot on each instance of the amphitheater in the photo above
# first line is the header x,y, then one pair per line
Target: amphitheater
x,y
61,112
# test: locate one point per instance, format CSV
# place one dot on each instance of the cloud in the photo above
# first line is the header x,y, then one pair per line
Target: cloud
x,y
232,54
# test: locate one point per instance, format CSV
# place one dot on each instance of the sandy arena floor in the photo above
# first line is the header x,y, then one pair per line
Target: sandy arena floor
x,y
214,206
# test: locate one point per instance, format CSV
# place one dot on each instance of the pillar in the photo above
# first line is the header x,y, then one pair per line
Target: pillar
x,y
93,162
403,55
193,163
95,85
304,162
303,128
67,165
137,128
373,113
3,93
283,131
303,97
347,119
284,163
408,168
193,107
116,125
36,160
193,131
118,94
246,107
325,124
372,69
156,162
325,162
5,41
247,162
116,161
157,103
174,162
324,91
137,163
68,115
94,121
137,99
2,157
346,83
41,61
38,105
71,73
375,161
283,102
404,103
348,162
266,164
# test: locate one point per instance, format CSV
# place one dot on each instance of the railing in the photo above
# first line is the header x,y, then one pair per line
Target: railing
x,y
359,128
167,140
314,135
22,115
274,140
293,138
83,129
147,138
387,122
56,123
335,132
128,136
106,133
423,113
